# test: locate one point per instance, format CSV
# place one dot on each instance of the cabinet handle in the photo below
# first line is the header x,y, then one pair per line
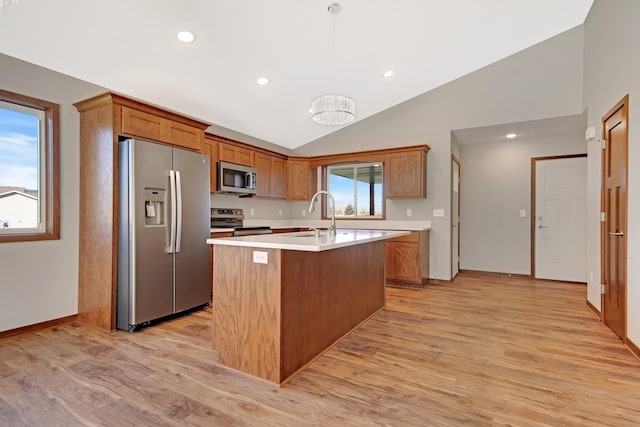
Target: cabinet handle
x,y
617,234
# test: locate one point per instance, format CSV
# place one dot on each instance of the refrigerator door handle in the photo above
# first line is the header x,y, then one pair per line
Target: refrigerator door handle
x,y
179,215
172,231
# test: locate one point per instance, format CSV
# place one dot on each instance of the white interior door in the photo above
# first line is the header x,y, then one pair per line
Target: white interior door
x,y
455,218
561,219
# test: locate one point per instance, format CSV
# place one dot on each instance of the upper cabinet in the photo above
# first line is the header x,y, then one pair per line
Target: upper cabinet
x,y
300,180
271,172
236,154
157,128
406,173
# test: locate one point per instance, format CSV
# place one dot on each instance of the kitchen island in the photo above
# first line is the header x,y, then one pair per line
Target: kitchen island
x,y
281,300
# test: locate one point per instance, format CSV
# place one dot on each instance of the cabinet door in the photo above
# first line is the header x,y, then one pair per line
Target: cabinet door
x,y
244,156
406,174
226,152
298,180
144,125
234,154
278,177
183,135
263,169
403,261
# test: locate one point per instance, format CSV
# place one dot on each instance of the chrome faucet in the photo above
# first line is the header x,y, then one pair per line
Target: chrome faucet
x,y
312,206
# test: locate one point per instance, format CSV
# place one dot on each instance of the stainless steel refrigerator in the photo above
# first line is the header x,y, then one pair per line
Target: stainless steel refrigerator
x,y
163,224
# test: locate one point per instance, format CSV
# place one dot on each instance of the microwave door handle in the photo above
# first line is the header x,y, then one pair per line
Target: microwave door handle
x,y
172,227
251,180
179,212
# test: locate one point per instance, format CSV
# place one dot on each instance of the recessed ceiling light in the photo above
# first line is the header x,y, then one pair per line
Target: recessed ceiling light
x,y
262,81
186,36
388,74
511,135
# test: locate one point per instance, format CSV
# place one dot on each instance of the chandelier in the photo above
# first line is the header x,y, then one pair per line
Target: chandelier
x,y
333,109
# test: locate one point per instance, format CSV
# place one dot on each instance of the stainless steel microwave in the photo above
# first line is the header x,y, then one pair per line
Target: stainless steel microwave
x,y
236,179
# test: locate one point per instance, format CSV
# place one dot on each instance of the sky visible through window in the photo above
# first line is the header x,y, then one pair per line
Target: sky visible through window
x,y
342,190
18,149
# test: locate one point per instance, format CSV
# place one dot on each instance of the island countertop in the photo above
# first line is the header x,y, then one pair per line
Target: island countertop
x,y
307,241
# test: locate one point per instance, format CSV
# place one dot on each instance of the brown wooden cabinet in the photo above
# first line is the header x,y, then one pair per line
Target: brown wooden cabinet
x,y
406,174
103,120
236,154
151,126
271,172
407,260
301,182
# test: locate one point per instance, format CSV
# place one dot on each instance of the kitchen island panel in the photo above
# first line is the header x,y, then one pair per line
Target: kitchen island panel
x,y
246,311
325,295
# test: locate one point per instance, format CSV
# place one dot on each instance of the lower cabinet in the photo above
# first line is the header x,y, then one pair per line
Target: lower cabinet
x,y
407,260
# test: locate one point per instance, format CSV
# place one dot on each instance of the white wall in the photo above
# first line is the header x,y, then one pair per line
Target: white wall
x,y
39,280
540,82
495,186
612,70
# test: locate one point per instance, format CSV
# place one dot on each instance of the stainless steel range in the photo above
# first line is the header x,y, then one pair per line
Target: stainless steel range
x,y
233,218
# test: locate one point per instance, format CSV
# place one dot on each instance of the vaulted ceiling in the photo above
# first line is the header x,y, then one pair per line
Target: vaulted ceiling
x,y
131,47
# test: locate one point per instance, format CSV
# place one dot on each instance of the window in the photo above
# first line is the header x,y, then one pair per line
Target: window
x,y
357,189
29,176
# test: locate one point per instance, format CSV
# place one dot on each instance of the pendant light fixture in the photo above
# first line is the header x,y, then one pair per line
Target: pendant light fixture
x,y
333,109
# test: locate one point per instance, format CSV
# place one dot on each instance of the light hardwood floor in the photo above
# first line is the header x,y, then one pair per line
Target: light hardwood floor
x,y
479,351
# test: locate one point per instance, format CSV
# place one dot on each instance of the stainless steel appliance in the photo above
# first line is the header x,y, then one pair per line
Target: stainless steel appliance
x,y
236,179
163,258
233,218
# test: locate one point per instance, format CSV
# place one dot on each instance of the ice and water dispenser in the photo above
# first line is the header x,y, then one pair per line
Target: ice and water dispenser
x,y
154,212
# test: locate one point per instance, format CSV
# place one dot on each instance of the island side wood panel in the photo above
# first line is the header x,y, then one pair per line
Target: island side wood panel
x,y
325,295
246,311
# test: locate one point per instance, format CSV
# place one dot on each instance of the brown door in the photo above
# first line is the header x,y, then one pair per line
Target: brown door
x,y
614,230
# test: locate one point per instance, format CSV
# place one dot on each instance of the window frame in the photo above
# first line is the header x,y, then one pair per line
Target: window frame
x,y
50,143
354,164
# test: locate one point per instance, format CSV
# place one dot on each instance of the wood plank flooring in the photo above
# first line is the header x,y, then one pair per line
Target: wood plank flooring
x,y
479,351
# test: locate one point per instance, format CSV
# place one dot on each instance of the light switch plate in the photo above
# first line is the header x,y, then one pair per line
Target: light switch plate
x,y
409,212
438,212
260,257
523,213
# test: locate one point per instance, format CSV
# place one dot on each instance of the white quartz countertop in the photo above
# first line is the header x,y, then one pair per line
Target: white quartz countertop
x,y
340,223
307,241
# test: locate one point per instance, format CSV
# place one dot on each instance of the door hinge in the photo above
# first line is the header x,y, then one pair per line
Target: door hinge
x,y
603,288
603,216
603,144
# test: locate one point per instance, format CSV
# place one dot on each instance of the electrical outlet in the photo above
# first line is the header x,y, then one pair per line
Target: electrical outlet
x,y
280,212
252,211
591,277
303,212
409,212
523,213
260,257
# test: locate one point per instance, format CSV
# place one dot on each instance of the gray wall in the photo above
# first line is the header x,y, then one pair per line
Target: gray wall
x,y
495,185
612,70
39,280
540,82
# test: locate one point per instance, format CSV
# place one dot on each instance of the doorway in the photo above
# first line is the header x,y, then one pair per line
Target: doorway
x,y
559,219
455,216
614,207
